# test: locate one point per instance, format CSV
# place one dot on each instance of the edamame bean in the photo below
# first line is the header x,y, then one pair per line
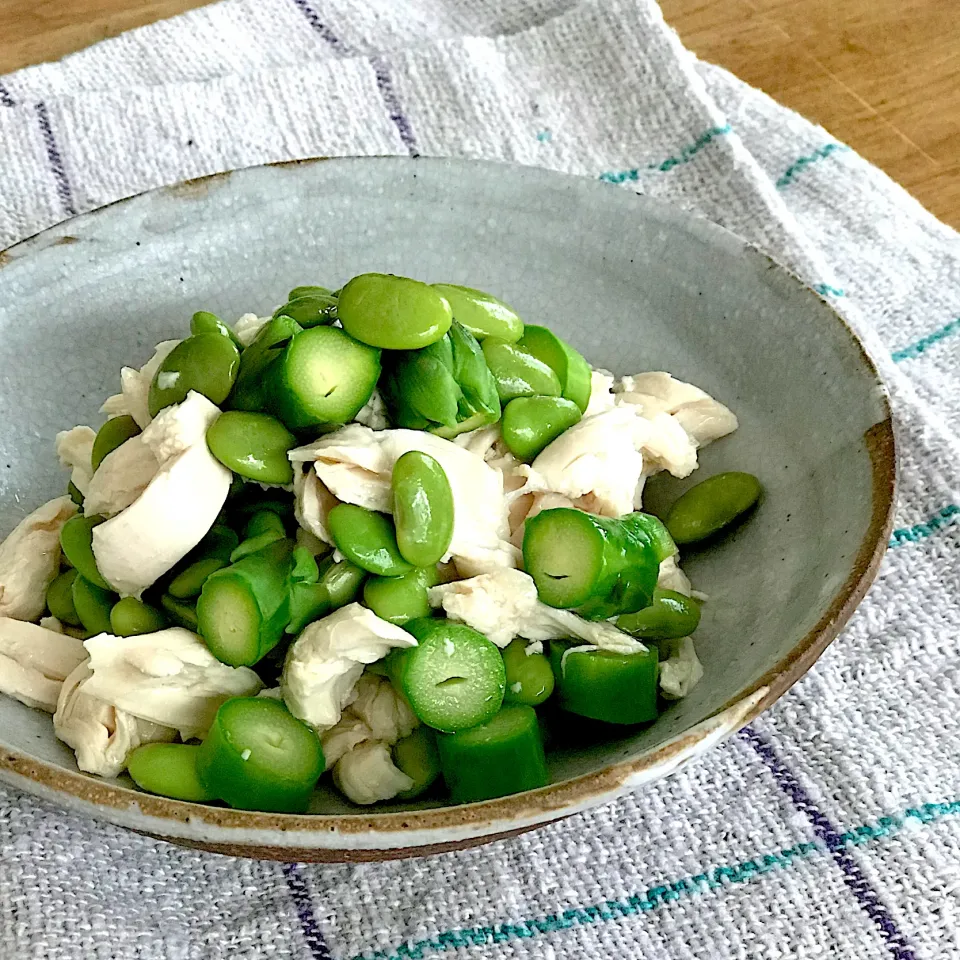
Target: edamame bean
x,y
93,605
398,599
422,508
76,540
114,433
310,291
529,677
343,581
204,322
670,617
253,445
571,369
532,423
264,521
482,314
310,310
255,544
518,372
130,617
169,770
60,599
205,362
368,539
74,493
182,613
710,506
417,757
189,582
324,376
391,312
220,541
250,390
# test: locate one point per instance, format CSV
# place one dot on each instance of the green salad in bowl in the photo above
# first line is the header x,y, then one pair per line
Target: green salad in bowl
x,y
387,533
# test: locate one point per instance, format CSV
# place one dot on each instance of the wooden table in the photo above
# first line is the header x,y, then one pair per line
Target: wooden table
x,y
881,75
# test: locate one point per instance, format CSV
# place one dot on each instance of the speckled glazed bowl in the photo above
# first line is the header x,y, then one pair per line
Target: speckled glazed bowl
x,y
634,284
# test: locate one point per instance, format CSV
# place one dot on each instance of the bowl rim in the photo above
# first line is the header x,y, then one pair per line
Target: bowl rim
x,y
243,832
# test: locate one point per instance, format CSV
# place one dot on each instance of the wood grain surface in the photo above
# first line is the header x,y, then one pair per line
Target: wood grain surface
x,y
881,75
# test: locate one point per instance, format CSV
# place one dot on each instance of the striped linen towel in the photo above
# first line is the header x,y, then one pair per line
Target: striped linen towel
x,y
831,826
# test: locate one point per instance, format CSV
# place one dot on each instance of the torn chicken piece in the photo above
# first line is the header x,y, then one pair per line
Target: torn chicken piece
x,y
322,667
671,577
682,670
34,662
373,413
30,559
504,604
75,450
601,393
175,509
355,464
377,712
101,735
168,677
122,476
702,418
312,502
367,774
248,326
134,396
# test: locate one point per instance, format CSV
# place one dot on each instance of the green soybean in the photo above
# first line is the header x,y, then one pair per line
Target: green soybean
x,y
517,372
204,322
310,291
220,541
169,770
60,599
115,432
74,493
182,613
93,605
395,313
343,581
706,509
255,544
482,314
76,540
264,521
189,582
417,757
529,676
398,599
253,445
324,376
368,539
571,369
205,362
310,310
532,423
670,617
250,390
130,617
422,508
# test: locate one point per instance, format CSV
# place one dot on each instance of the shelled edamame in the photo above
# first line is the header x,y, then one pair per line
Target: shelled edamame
x,y
431,505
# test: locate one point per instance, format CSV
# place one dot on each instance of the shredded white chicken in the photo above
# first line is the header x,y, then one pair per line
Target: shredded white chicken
x,y
134,396
176,508
373,413
355,463
168,677
248,326
34,662
75,450
504,604
323,666
671,577
367,774
30,559
101,735
701,417
312,502
601,393
682,670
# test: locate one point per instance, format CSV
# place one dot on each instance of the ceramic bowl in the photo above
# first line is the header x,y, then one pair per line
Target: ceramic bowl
x,y
634,284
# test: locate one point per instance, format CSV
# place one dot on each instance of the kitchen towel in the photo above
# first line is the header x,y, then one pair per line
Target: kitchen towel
x,y
828,828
